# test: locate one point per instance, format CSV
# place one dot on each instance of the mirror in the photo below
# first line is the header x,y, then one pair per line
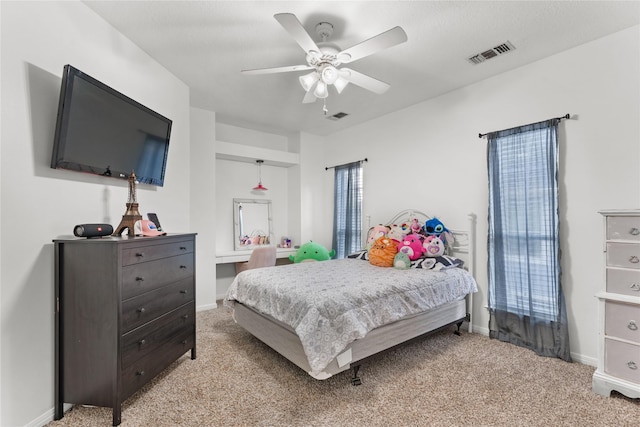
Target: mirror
x,y
251,223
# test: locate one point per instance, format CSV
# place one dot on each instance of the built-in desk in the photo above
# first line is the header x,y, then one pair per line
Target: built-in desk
x,y
226,269
241,256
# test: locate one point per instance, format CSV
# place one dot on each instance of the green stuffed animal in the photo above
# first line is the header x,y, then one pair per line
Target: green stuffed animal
x,y
312,251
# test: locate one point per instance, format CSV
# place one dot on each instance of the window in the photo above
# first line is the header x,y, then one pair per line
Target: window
x,y
525,297
347,213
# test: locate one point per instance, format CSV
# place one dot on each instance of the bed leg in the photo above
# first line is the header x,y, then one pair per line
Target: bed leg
x,y
356,379
458,325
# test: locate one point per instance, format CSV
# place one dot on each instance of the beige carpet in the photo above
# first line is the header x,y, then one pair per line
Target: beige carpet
x,y
443,380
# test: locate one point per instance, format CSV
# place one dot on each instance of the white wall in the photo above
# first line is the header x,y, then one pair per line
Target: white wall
x,y
202,169
39,203
429,157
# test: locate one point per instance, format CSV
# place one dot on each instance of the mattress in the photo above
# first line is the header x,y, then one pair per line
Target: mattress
x,y
331,304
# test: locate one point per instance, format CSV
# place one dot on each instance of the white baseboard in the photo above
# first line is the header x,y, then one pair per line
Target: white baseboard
x,y
206,307
579,358
47,417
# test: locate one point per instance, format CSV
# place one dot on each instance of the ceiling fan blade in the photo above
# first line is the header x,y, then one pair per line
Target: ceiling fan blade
x,y
293,26
278,69
364,81
389,38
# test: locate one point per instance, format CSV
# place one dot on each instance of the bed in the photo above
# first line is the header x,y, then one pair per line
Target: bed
x,y
327,317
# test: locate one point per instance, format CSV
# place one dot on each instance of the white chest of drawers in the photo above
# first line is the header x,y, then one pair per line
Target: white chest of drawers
x,y
619,306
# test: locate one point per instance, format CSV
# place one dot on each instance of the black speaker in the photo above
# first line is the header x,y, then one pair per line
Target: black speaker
x,y
92,230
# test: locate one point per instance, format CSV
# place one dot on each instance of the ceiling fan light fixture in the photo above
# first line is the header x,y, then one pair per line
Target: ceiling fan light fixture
x,y
340,84
308,80
321,90
329,74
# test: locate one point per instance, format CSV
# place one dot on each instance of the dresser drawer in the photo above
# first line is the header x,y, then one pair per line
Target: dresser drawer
x,y
625,282
622,360
153,336
157,251
141,278
139,310
622,320
623,255
623,228
143,370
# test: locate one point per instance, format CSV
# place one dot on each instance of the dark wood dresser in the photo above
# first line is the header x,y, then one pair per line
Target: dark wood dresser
x,y
125,310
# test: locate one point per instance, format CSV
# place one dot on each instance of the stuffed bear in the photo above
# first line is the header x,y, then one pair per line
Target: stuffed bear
x,y
412,246
312,251
433,247
382,252
401,261
375,233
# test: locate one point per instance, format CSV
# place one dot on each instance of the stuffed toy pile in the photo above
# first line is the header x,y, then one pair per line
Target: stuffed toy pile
x,y
409,245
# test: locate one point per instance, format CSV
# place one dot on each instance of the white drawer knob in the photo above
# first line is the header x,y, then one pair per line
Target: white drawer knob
x,y
632,365
634,231
633,259
635,287
632,325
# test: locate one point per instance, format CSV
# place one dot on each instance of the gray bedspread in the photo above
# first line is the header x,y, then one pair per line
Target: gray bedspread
x,y
330,304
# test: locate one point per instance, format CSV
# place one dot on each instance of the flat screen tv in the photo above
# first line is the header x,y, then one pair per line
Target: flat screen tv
x,y
103,132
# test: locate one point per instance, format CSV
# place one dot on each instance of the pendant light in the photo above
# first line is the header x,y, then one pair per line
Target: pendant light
x,y
260,187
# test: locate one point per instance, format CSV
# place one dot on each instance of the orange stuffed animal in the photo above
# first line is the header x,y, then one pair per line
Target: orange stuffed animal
x,y
382,252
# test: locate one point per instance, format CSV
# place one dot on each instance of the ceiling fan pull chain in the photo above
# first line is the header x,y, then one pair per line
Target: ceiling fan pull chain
x,y
324,108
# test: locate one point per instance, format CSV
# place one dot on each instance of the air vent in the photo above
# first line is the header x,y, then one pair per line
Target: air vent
x,y
337,116
492,53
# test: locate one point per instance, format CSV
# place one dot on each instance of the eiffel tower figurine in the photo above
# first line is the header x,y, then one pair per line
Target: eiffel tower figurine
x,y
132,214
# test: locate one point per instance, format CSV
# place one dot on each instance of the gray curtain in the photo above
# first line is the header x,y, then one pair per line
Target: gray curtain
x,y
347,211
526,302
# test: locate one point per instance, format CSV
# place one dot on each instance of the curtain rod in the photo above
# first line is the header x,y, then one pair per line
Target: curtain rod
x,y
566,116
331,167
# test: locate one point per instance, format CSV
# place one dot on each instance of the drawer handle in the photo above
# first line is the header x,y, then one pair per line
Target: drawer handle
x,y
634,231
184,342
184,291
635,287
184,248
141,310
632,365
185,317
632,325
139,279
140,373
634,259
184,267
142,342
140,254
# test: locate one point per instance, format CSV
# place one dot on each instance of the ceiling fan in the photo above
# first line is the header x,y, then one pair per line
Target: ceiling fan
x,y
324,59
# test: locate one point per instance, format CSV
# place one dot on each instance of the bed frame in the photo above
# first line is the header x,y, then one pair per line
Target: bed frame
x,y
284,340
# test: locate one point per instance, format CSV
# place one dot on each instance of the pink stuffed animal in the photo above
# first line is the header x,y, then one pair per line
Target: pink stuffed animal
x,y
433,247
412,246
416,226
375,233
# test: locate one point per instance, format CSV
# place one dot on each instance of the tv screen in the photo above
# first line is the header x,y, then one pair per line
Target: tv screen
x,y
103,132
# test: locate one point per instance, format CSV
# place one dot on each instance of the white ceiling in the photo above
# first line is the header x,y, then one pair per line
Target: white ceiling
x,y
207,43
